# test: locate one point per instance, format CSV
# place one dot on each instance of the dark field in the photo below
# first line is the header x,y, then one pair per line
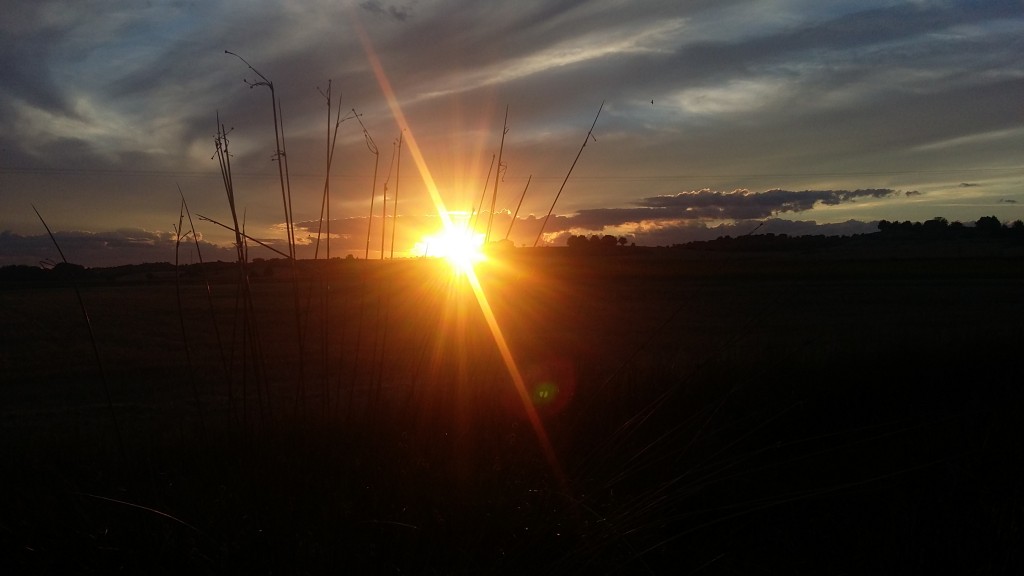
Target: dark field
x,y
823,413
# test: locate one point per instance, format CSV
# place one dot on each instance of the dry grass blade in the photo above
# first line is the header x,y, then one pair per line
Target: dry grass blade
x,y
92,339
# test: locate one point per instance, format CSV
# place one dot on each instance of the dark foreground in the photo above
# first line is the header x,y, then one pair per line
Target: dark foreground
x,y
722,413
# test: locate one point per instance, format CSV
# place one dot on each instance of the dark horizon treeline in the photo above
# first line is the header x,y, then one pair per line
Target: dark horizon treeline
x,y
986,229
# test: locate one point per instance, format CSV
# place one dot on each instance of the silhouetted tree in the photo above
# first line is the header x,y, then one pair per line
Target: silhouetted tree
x,y
988,226
936,226
69,270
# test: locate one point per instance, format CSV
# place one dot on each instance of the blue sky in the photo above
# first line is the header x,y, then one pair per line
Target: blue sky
x,y
819,117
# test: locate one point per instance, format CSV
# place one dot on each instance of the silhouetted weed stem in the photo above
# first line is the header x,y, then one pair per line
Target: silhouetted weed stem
x,y
178,235
518,206
283,160
363,299
244,307
141,507
92,339
394,212
300,334
483,194
279,154
586,139
244,236
384,204
372,147
325,212
497,178
209,293
223,156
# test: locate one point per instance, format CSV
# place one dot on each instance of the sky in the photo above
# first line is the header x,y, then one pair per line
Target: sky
x,y
709,118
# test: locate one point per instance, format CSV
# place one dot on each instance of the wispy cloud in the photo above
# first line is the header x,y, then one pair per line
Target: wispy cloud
x,y
399,13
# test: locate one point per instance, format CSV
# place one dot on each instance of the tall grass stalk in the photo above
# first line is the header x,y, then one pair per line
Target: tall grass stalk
x,y
209,292
281,156
363,300
283,160
244,236
518,206
384,205
325,202
92,339
325,214
300,334
252,348
244,307
223,156
590,134
483,194
178,235
497,178
398,173
372,147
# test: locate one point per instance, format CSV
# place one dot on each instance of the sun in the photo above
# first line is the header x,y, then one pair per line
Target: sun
x,y
461,247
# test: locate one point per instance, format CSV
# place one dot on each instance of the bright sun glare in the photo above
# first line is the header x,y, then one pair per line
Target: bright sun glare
x,y
461,246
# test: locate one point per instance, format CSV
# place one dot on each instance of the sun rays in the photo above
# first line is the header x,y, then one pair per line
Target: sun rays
x,y
461,249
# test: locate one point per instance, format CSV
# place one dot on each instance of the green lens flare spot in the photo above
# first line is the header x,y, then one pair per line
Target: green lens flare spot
x,y
545,393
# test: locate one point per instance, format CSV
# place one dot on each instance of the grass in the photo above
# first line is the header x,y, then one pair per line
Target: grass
x,y
720,415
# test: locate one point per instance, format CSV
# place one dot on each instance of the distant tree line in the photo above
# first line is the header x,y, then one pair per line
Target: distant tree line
x,y
261,269
987,228
939,227
595,242
768,242
48,271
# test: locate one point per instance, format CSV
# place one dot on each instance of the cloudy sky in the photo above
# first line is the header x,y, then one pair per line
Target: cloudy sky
x,y
815,117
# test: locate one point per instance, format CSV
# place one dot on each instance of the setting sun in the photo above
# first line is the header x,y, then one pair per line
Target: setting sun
x,y
461,247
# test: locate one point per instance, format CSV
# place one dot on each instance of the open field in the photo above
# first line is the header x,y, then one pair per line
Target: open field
x,y
712,413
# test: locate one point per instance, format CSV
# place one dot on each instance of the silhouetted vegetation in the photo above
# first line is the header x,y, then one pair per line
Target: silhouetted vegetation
x,y
595,243
987,227
985,230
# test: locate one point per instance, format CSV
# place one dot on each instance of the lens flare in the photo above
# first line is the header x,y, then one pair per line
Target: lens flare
x,y
545,393
470,274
